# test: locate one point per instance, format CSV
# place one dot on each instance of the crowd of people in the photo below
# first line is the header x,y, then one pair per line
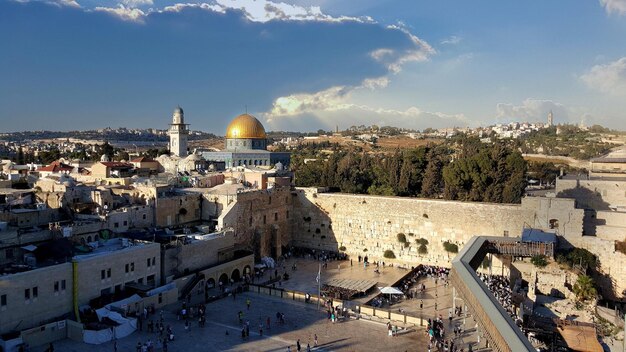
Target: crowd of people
x,y
500,287
411,286
338,292
440,339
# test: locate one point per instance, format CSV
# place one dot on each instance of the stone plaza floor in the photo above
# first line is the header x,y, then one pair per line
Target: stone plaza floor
x,y
302,321
222,331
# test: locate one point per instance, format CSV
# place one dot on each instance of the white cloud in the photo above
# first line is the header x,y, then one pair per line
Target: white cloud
x,y
124,13
264,11
452,40
531,110
617,6
137,3
395,59
609,78
334,105
180,6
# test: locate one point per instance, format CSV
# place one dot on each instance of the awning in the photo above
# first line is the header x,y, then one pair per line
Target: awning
x,y
390,291
30,248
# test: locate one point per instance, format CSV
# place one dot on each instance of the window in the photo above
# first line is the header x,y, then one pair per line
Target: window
x,y
148,262
144,216
287,214
270,202
27,294
132,266
275,216
116,225
506,233
102,274
125,223
56,286
153,260
35,292
3,301
9,253
108,273
127,267
63,283
250,221
264,219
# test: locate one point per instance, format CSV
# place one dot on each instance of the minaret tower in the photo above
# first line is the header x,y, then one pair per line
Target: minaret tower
x,y
550,119
179,131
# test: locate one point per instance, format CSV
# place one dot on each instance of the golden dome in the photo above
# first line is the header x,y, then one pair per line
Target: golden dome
x,y
245,126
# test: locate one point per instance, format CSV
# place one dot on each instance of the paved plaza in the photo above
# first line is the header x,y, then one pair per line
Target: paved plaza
x,y
223,331
302,321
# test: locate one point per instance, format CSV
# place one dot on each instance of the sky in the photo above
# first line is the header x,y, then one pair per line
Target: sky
x,y
304,65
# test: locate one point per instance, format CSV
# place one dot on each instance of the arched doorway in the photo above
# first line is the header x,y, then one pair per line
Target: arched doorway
x,y
235,276
247,270
223,279
210,283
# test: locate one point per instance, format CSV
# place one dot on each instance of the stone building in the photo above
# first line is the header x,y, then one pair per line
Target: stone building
x,y
246,145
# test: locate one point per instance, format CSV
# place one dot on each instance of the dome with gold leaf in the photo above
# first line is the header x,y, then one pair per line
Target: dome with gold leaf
x,y
245,126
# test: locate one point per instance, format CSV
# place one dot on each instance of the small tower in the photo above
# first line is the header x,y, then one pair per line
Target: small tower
x,y
550,119
179,132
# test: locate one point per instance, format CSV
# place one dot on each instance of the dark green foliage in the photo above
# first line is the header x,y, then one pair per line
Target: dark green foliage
x,y
342,248
581,256
486,173
401,238
539,260
584,288
480,172
422,241
422,249
389,254
450,247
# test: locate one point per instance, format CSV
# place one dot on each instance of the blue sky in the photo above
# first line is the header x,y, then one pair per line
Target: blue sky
x,y
310,64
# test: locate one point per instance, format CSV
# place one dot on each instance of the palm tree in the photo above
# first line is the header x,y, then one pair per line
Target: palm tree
x,y
584,288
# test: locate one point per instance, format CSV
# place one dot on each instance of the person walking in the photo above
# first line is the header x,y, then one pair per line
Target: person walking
x,y
315,340
248,303
298,347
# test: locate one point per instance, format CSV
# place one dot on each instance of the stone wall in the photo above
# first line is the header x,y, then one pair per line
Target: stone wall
x,y
26,313
92,283
331,220
175,210
260,219
594,194
197,255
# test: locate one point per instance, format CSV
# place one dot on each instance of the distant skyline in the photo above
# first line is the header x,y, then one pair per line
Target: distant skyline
x,y
304,65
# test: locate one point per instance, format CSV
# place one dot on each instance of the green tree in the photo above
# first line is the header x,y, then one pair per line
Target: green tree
x,y
584,288
539,260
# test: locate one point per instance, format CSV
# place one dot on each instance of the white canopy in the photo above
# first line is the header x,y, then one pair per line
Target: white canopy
x,y
390,291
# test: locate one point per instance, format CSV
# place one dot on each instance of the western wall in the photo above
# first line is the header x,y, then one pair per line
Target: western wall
x,y
369,225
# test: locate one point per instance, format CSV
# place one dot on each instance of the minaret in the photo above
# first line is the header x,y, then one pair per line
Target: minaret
x,y
550,119
178,132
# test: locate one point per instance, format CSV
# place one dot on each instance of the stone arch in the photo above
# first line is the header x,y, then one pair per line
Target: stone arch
x,y
210,283
223,279
88,239
96,237
247,270
235,276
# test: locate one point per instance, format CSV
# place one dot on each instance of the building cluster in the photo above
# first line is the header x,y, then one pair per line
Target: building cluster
x,y
84,235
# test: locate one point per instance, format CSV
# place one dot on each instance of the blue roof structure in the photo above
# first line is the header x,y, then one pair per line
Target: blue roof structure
x,y
535,235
